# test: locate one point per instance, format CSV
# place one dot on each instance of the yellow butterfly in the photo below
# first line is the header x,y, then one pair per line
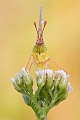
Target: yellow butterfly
x,y
39,53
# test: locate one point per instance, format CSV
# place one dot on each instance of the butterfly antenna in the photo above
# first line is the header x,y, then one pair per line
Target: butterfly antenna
x,y
40,21
35,27
44,25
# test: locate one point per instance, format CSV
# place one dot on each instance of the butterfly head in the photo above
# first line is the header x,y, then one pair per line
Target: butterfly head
x,y
40,29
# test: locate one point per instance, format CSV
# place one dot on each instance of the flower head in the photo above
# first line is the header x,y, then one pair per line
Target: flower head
x,y
23,82
52,87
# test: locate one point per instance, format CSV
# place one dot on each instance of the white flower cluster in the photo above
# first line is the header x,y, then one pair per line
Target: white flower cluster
x,y
41,76
44,72
26,72
62,73
59,74
65,76
23,81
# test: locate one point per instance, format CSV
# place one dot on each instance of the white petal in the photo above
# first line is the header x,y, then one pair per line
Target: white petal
x,y
37,73
70,88
68,76
23,69
49,72
12,80
68,83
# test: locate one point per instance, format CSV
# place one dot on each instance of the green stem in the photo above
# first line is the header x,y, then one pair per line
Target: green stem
x,y
31,101
41,119
41,115
52,104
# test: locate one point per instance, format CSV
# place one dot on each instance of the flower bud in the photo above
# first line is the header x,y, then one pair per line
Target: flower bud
x,y
40,78
63,85
18,80
49,78
23,82
15,85
27,79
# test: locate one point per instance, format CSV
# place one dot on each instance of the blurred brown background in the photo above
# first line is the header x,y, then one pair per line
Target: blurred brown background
x,y
17,37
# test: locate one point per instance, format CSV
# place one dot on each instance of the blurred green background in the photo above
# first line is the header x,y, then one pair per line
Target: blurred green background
x,y
17,38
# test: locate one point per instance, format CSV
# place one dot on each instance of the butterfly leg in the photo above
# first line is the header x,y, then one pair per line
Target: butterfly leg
x,y
55,63
28,62
30,66
35,65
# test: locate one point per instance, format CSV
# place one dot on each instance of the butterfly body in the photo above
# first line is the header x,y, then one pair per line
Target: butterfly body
x,y
39,52
39,55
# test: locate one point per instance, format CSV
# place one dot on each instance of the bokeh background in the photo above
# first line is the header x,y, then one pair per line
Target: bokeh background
x,y
17,38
